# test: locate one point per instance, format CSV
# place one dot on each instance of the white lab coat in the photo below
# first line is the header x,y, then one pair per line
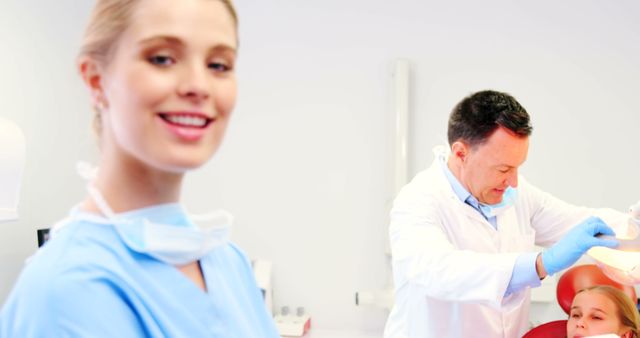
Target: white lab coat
x,y
451,268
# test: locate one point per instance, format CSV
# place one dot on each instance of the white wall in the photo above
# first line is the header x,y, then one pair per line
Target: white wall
x,y
40,91
305,166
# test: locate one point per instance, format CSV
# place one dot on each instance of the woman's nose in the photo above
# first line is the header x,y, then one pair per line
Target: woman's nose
x,y
194,84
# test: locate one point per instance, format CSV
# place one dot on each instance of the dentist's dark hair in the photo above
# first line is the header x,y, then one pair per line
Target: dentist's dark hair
x,y
478,115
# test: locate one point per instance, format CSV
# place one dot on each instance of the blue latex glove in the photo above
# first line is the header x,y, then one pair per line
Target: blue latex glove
x,y
575,243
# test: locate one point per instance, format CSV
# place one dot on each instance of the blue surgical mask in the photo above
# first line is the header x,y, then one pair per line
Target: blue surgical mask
x,y
509,198
166,232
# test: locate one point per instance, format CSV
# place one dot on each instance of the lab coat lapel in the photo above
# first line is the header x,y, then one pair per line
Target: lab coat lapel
x,y
468,229
512,237
507,221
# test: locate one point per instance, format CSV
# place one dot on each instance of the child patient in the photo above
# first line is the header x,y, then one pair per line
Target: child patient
x,y
603,310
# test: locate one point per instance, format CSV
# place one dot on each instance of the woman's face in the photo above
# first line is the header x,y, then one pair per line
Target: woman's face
x,y
169,86
592,314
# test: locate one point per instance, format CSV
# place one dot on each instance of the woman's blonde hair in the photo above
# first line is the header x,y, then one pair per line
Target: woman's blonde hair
x,y
106,23
627,309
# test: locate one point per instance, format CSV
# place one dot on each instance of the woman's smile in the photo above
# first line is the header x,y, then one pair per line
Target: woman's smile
x,y
187,126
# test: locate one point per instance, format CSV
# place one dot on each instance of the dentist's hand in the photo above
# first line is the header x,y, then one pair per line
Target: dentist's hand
x,y
575,243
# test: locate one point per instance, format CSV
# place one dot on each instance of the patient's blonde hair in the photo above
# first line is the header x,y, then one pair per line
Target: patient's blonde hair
x,y
627,310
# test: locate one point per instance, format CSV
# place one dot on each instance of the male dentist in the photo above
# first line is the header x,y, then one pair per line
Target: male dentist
x,y
463,231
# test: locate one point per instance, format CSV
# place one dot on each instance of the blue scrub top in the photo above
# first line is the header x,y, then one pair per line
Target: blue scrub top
x,y
85,282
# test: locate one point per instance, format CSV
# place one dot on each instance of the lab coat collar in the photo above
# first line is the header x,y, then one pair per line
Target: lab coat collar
x,y
441,155
460,191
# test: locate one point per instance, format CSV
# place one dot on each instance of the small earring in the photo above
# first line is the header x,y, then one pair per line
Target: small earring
x,y
101,106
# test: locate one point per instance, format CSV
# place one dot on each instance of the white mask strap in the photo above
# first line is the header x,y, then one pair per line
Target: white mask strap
x,y
89,173
100,201
86,171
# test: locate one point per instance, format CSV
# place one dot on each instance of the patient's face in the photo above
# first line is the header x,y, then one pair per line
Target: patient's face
x,y
593,314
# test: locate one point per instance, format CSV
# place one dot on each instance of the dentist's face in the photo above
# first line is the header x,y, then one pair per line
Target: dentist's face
x,y
486,170
593,314
170,84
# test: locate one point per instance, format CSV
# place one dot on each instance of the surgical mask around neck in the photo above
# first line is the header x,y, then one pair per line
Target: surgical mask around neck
x,y
178,243
166,231
509,198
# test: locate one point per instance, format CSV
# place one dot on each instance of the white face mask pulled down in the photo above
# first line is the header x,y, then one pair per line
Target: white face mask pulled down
x,y
170,243
509,198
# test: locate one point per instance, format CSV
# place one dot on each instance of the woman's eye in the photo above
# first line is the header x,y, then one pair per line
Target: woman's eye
x,y
575,315
161,60
219,67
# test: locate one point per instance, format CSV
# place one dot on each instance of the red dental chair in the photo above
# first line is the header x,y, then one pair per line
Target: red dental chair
x,y
572,281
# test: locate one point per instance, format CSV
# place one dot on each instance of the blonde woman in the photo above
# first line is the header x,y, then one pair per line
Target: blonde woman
x,y
129,261
603,310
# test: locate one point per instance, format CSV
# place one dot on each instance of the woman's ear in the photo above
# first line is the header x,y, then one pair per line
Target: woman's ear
x,y
628,334
91,73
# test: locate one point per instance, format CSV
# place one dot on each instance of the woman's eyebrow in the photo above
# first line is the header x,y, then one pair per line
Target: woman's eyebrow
x,y
223,48
172,40
175,41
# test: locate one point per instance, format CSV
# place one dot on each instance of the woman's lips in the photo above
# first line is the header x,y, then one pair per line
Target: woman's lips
x,y
187,126
186,119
